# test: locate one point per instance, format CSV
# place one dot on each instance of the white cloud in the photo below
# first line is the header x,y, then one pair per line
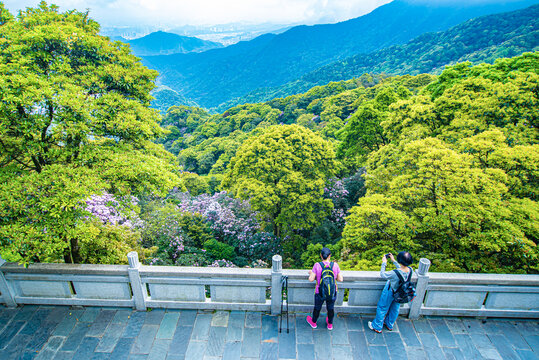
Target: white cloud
x,y
206,12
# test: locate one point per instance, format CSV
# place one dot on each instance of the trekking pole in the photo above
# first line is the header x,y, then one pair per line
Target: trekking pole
x,y
284,287
286,293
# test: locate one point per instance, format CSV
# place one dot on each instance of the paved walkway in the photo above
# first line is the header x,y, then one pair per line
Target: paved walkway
x,y
33,332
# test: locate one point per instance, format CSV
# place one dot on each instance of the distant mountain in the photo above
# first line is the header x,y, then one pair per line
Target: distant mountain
x,y
216,76
118,38
228,34
165,97
163,43
483,39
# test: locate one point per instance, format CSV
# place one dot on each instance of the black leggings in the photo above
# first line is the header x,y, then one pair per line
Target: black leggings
x,y
318,301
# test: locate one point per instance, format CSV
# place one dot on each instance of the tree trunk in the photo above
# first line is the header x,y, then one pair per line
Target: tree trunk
x,y
75,251
67,257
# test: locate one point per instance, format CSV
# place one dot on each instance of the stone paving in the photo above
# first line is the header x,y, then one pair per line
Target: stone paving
x,y
47,332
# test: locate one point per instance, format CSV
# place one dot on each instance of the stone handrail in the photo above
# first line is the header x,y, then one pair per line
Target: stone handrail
x,y
142,287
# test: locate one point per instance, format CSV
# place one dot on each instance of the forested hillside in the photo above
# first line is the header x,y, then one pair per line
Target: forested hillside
x,y
483,39
445,166
163,43
216,76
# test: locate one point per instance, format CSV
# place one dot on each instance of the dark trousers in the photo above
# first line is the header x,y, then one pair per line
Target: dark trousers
x,y
318,302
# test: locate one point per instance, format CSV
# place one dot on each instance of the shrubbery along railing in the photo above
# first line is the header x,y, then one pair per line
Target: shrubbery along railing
x,y
142,287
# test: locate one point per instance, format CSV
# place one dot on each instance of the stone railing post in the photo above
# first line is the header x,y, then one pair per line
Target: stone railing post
x,y
136,282
421,288
7,295
276,290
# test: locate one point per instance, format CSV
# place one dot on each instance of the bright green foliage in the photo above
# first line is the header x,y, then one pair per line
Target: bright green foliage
x,y
312,255
282,172
180,120
363,132
165,222
219,251
75,121
194,183
439,203
109,244
5,15
211,155
205,144
457,181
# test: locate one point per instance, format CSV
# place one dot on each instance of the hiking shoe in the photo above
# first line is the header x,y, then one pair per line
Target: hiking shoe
x,y
373,329
311,322
387,327
330,326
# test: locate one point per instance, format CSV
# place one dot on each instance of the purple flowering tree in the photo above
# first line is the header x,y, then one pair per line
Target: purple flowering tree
x,y
231,219
110,210
336,191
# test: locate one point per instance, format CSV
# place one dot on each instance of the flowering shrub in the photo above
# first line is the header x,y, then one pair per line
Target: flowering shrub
x,y
189,256
355,185
109,210
338,194
260,246
178,235
344,194
222,263
232,220
259,264
112,230
196,230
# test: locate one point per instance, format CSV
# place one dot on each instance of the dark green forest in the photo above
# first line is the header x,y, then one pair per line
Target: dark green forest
x,y
444,166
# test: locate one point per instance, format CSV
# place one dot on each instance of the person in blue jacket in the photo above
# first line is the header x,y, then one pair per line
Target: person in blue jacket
x,y
387,310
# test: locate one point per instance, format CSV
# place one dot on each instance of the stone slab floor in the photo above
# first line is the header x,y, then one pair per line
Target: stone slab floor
x,y
48,332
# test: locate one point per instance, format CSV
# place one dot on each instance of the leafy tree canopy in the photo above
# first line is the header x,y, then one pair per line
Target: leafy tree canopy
x,y
75,121
456,180
283,172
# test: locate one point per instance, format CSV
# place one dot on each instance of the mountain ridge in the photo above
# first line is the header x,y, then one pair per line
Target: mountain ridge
x,y
164,43
216,76
421,51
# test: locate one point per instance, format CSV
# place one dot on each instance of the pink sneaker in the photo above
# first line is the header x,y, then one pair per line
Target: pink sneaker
x,y
311,322
330,326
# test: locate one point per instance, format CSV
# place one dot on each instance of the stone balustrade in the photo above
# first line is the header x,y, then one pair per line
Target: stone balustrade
x,y
141,287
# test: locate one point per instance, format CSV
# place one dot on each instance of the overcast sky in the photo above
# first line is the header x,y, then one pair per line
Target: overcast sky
x,y
212,12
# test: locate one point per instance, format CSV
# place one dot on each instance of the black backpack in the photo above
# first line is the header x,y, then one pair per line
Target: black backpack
x,y
327,288
406,291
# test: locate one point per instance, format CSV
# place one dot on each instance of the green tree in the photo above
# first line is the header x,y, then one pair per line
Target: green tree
x,y
312,255
219,251
457,181
283,172
432,200
75,121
